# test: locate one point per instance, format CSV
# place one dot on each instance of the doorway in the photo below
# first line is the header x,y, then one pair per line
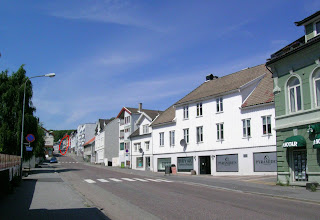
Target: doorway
x,y
205,164
300,165
147,163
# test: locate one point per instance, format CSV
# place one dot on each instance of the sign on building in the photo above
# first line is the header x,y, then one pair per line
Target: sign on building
x,y
227,163
265,162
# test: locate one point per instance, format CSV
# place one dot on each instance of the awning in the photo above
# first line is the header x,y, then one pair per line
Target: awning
x,y
315,128
316,141
294,141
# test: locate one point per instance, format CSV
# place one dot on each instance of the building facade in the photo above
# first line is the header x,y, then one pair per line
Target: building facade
x,y
85,132
111,142
48,142
100,140
223,127
296,73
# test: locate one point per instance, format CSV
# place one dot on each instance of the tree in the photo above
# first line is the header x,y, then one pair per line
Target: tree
x,y
11,101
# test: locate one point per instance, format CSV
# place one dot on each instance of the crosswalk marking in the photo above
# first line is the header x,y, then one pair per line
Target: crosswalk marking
x,y
167,181
154,180
114,179
103,180
90,181
142,180
130,180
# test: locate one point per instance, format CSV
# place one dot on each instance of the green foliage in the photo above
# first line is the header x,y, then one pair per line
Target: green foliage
x,y
59,134
11,105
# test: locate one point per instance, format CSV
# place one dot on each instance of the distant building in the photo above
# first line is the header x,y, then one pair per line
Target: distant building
x,y
48,142
296,75
89,150
85,132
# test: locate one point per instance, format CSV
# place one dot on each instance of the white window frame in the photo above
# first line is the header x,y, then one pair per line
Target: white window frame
x,y
147,145
199,134
295,88
199,109
161,138
135,147
315,28
186,135
245,128
172,137
219,104
266,124
145,129
220,132
186,112
316,78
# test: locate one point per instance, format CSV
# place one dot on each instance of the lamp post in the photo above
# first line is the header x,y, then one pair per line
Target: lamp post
x,y
24,100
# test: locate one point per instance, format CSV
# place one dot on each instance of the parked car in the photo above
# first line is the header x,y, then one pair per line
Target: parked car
x,y
53,160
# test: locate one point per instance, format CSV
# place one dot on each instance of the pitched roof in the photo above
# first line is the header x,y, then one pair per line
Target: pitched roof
x,y
222,85
262,94
299,23
135,133
89,141
151,113
102,122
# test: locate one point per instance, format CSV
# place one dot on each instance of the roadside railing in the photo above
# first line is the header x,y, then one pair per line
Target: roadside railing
x,y
8,161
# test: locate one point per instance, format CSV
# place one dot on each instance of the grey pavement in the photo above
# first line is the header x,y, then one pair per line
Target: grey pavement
x,y
44,195
262,185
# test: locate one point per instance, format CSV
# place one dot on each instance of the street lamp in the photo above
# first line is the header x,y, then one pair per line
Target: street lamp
x,y
24,100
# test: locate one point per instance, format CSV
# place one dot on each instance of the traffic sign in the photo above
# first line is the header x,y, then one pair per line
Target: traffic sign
x,y
30,138
29,148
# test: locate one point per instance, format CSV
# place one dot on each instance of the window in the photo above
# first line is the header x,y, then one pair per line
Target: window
x,y
139,162
145,129
121,146
185,112
186,135
318,27
127,130
294,94
199,109
147,145
127,120
316,80
137,146
220,131
171,138
219,104
199,134
161,134
246,128
266,124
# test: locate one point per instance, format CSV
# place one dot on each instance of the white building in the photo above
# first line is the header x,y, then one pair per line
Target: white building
x,y
85,132
223,127
73,141
48,141
141,142
127,124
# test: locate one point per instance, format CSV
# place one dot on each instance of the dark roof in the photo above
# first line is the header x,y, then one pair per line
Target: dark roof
x,y
292,48
102,122
135,133
224,84
299,23
151,113
262,94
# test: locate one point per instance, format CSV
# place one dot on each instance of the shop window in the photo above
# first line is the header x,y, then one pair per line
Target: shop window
x,y
294,94
139,162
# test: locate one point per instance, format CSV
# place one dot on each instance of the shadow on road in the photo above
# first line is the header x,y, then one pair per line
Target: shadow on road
x,y
39,171
17,206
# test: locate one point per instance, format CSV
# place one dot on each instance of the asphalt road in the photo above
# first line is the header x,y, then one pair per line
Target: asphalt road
x,y
126,196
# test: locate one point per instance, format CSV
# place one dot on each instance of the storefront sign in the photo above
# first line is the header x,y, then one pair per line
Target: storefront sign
x,y
294,141
162,163
265,162
227,163
185,164
290,144
316,141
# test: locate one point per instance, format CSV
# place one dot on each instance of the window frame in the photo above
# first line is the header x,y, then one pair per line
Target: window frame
x,y
145,129
147,145
219,104
185,112
172,137
265,125
220,131
246,128
186,134
199,109
199,130
315,79
161,139
295,93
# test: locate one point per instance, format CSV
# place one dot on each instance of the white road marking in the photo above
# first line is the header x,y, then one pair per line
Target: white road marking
x,y
90,181
130,180
103,180
164,180
114,179
154,180
142,180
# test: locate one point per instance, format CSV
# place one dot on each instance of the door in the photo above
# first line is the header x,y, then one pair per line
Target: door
x,y
147,163
300,165
205,165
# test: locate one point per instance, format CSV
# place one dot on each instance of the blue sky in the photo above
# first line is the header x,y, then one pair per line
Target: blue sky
x,y
109,54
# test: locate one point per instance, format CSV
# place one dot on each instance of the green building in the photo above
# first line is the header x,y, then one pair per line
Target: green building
x,y
296,76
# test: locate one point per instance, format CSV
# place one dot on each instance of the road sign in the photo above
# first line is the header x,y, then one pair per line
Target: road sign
x,y
30,138
29,148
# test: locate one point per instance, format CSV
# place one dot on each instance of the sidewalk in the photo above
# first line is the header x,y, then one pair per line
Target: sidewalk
x,y
44,195
262,185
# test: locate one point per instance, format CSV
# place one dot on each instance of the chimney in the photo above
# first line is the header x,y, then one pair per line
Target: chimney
x,y
211,77
140,107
